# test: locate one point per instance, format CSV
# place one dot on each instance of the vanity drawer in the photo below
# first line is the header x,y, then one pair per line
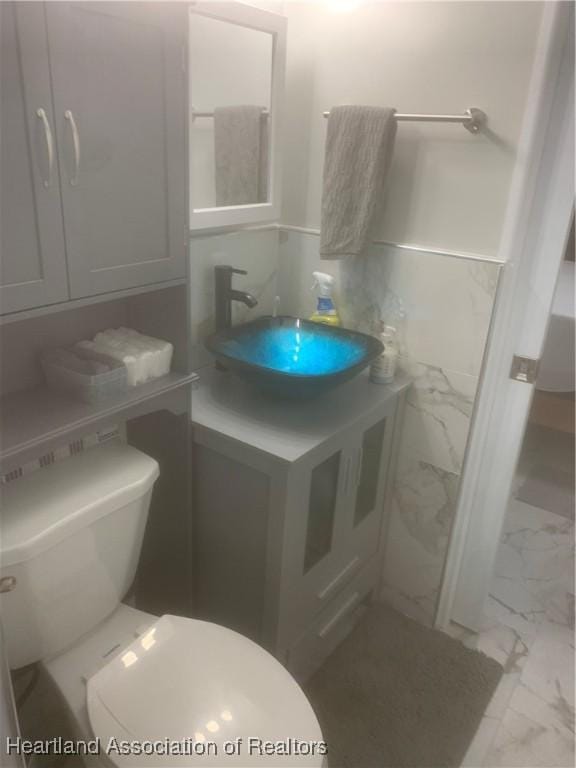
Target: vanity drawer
x,y
333,624
312,594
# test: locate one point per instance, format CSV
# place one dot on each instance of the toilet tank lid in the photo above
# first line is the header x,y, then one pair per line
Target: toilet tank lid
x,y
41,509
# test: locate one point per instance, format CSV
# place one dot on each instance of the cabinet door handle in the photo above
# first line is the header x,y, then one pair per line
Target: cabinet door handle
x,y
339,615
346,571
76,142
346,477
41,114
359,466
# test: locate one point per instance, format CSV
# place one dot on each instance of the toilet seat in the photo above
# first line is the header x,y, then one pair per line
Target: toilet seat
x,y
185,679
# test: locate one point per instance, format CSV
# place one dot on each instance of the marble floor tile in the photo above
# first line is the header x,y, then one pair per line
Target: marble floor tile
x,y
497,614
549,672
500,701
510,649
530,735
530,719
534,571
529,629
506,645
481,742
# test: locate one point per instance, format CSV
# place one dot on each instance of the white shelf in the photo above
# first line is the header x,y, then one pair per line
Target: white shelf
x,y
41,419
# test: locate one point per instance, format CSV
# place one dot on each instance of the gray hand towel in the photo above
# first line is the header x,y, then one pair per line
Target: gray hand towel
x,y
241,155
359,146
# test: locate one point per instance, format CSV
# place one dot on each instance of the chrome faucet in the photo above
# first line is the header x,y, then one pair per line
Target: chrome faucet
x,y
225,295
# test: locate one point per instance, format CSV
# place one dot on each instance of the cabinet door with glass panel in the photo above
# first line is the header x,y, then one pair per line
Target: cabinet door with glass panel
x,y
315,506
335,511
360,530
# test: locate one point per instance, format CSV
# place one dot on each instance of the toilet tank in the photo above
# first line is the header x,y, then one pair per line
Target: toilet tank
x,y
70,539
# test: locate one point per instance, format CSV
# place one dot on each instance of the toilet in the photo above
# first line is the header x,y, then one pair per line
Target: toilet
x,y
180,690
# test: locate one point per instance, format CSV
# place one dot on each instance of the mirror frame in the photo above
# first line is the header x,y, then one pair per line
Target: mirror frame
x,y
254,213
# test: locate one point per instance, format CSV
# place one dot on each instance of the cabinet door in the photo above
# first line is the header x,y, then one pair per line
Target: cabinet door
x,y
119,94
315,505
32,255
361,524
321,511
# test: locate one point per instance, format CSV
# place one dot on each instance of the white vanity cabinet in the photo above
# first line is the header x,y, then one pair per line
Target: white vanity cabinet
x,y
93,149
290,511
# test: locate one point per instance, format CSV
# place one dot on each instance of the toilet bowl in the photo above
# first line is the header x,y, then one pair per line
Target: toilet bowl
x,y
140,690
175,680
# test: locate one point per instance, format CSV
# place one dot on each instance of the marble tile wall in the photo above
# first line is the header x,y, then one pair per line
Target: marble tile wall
x,y
441,306
256,251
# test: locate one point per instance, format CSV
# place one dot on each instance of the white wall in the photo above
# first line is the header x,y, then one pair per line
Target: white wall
x,y
448,188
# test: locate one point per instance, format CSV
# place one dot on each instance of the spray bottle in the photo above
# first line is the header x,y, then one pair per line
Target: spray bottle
x,y
325,309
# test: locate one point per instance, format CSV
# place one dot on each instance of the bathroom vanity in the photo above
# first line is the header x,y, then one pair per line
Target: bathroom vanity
x,y
290,509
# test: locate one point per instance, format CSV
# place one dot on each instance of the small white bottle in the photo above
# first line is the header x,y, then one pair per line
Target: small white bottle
x,y
383,369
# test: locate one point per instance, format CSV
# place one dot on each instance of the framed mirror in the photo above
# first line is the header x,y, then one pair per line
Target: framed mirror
x,y
236,57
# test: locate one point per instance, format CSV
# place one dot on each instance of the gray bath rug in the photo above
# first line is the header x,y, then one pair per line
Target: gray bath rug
x,y
549,488
396,694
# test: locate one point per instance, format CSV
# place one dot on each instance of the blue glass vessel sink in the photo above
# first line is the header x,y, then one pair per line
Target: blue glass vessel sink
x,y
292,357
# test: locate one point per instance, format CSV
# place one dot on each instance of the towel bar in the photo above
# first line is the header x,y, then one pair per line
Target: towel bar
x,y
473,119
194,114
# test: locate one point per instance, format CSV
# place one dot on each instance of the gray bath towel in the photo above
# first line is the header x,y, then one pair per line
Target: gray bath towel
x,y
241,155
359,146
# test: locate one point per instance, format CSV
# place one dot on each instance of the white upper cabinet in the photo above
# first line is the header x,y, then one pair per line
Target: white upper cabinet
x,y
236,61
32,252
93,187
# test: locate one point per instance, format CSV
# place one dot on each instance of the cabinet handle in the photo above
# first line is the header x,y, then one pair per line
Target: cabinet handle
x,y
76,142
346,571
359,466
41,114
346,477
339,615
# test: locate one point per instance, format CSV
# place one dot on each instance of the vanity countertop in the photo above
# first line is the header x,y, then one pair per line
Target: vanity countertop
x,y
285,429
